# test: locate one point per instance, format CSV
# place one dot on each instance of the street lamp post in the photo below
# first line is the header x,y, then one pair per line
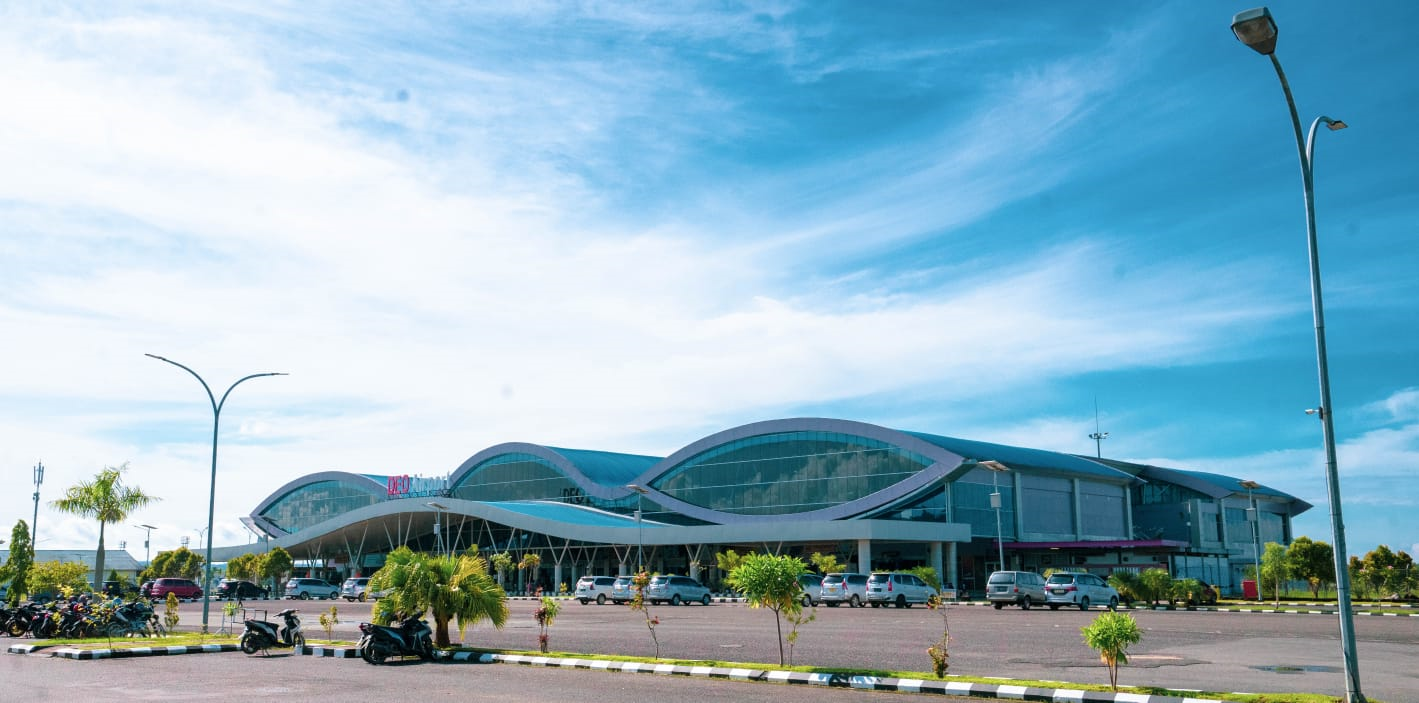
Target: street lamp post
x,y
147,551
640,529
1255,533
212,492
995,470
34,523
438,528
1257,29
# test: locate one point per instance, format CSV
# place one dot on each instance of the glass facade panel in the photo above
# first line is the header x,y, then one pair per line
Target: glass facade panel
x,y
789,472
970,503
316,503
1238,528
1164,494
509,477
1047,504
1101,510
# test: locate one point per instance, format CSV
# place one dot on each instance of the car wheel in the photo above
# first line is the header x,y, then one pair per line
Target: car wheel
x,y
1084,603
601,599
583,601
705,599
901,601
855,601
675,599
363,596
1113,603
807,600
1025,604
998,606
305,595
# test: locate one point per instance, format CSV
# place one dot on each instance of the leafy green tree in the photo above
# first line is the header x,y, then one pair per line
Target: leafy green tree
x,y
1389,571
1312,561
929,575
177,563
769,581
51,576
106,499
501,563
1157,584
446,587
1128,585
530,563
827,563
1275,568
17,566
275,564
1109,635
245,567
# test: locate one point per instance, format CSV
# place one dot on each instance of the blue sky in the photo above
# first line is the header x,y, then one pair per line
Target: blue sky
x,y
624,226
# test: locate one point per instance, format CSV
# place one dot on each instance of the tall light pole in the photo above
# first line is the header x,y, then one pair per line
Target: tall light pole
x,y
438,528
1255,533
640,529
34,523
1257,29
212,493
147,550
1098,436
996,468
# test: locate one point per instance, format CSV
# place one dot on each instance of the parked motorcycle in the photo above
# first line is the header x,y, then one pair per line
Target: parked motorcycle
x,y
410,638
262,635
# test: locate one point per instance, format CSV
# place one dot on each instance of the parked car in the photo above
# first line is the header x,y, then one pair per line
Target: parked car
x,y
594,588
812,585
306,589
1022,588
897,588
676,590
240,590
1079,589
842,588
182,588
623,590
355,588
146,590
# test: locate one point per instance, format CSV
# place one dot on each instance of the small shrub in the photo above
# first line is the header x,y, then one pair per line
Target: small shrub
x,y
545,615
940,652
1109,635
1128,585
170,616
328,621
639,583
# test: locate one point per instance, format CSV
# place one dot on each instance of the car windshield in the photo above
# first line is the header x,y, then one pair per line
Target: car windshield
x,y
1061,578
1002,577
832,578
879,578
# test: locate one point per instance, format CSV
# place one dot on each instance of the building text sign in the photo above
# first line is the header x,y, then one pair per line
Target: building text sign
x,y
407,486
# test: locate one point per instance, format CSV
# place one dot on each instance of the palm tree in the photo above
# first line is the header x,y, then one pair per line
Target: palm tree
x,y
106,499
447,587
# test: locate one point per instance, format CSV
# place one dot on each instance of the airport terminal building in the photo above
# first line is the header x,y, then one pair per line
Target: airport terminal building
x,y
877,498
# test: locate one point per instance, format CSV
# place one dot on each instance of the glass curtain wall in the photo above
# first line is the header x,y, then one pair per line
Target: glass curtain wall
x,y
316,503
970,503
789,472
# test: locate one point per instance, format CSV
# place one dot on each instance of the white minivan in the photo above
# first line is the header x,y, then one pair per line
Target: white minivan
x,y
595,588
896,588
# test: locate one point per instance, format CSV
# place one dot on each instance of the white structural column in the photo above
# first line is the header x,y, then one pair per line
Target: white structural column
x,y
935,557
557,577
864,556
951,575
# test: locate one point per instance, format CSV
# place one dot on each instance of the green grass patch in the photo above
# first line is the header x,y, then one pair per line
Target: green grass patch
x,y
928,676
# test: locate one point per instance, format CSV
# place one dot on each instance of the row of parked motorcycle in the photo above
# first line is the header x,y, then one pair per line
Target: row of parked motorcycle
x,y
407,637
82,618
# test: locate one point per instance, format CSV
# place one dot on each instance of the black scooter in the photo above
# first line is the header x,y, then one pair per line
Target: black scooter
x,y
261,635
411,638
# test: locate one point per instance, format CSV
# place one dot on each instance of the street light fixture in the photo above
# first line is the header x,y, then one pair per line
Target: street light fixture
x,y
640,529
1257,29
1255,520
995,470
438,531
212,492
34,523
147,551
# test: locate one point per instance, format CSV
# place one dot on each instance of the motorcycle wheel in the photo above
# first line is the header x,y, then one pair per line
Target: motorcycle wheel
x,y
17,628
426,649
249,643
298,640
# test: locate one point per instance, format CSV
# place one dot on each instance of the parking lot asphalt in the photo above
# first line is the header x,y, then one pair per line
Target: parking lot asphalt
x,y
1227,651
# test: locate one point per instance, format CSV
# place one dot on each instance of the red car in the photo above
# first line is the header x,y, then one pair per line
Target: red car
x,y
182,588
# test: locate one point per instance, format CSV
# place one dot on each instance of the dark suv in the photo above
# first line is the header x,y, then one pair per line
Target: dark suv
x,y
182,588
240,590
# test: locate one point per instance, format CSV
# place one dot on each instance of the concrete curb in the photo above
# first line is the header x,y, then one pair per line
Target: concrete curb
x,y
330,651
71,653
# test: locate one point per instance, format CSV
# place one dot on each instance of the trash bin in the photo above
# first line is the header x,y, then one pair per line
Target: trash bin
x,y
1249,589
